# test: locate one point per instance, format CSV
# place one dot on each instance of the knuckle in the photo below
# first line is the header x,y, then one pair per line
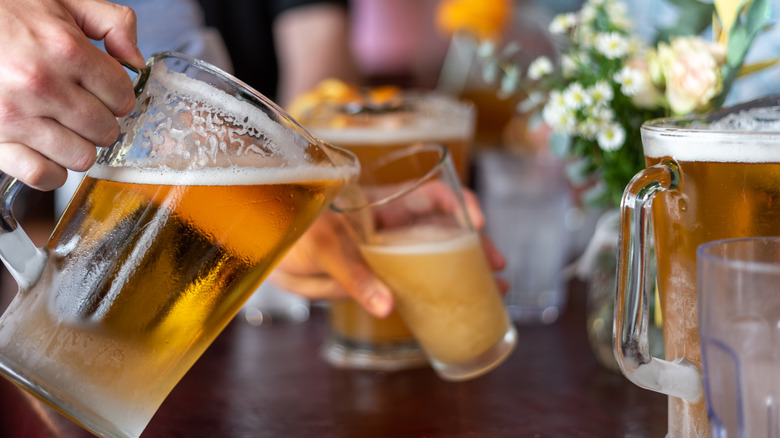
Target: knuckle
x,y
127,15
126,103
33,174
33,82
109,135
66,45
84,159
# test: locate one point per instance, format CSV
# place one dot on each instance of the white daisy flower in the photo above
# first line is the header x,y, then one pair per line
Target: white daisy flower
x,y
559,118
603,115
611,137
588,38
575,96
618,15
588,13
601,93
612,45
588,128
540,67
561,23
630,80
556,99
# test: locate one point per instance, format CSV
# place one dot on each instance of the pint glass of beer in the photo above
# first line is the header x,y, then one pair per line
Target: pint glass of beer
x,y
416,235
708,178
177,223
372,123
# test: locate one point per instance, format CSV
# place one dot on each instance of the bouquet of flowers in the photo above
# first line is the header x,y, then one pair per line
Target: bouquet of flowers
x,y
607,82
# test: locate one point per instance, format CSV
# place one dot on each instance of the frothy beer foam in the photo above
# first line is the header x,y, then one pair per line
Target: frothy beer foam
x,y
245,115
436,118
746,137
428,239
217,176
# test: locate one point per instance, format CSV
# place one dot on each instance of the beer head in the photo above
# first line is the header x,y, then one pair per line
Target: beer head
x,y
190,115
417,117
751,136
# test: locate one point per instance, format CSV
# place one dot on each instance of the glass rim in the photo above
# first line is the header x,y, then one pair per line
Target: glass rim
x,y
705,253
701,124
407,188
686,126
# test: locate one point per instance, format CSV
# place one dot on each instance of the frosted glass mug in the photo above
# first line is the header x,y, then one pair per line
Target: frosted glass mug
x,y
173,228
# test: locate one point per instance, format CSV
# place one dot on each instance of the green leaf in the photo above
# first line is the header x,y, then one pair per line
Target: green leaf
x,y
693,17
743,33
739,44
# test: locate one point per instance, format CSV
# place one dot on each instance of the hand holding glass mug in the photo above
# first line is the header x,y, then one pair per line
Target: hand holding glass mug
x,y
172,229
61,94
417,236
326,263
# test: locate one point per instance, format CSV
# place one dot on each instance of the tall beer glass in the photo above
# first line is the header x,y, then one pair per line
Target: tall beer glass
x,y
708,178
371,129
169,233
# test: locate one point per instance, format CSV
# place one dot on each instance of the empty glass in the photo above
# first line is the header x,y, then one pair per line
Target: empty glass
x,y
739,325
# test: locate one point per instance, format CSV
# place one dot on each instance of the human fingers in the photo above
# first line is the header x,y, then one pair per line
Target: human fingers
x,y
44,168
26,165
473,209
116,26
327,250
313,287
433,196
60,92
495,259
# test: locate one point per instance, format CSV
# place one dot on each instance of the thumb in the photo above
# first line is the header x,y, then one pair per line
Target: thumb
x,y
112,23
346,266
350,270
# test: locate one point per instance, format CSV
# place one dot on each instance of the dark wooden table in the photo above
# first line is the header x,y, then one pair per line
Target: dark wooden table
x,y
270,381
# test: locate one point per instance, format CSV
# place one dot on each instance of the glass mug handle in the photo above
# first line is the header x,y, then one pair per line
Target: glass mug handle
x,y
23,259
631,346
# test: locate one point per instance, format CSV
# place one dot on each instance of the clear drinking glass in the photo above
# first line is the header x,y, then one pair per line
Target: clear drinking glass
x,y
525,198
739,325
416,235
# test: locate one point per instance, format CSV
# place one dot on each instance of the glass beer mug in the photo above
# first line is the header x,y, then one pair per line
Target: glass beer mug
x,y
708,178
371,129
172,229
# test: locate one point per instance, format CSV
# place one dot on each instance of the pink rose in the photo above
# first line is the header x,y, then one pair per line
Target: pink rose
x,y
691,68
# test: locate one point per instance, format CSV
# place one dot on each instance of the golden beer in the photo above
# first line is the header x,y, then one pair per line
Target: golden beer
x,y
146,268
493,113
439,278
372,133
717,200
709,183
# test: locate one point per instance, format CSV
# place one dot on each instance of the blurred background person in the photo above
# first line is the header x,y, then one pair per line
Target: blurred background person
x,y
283,48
